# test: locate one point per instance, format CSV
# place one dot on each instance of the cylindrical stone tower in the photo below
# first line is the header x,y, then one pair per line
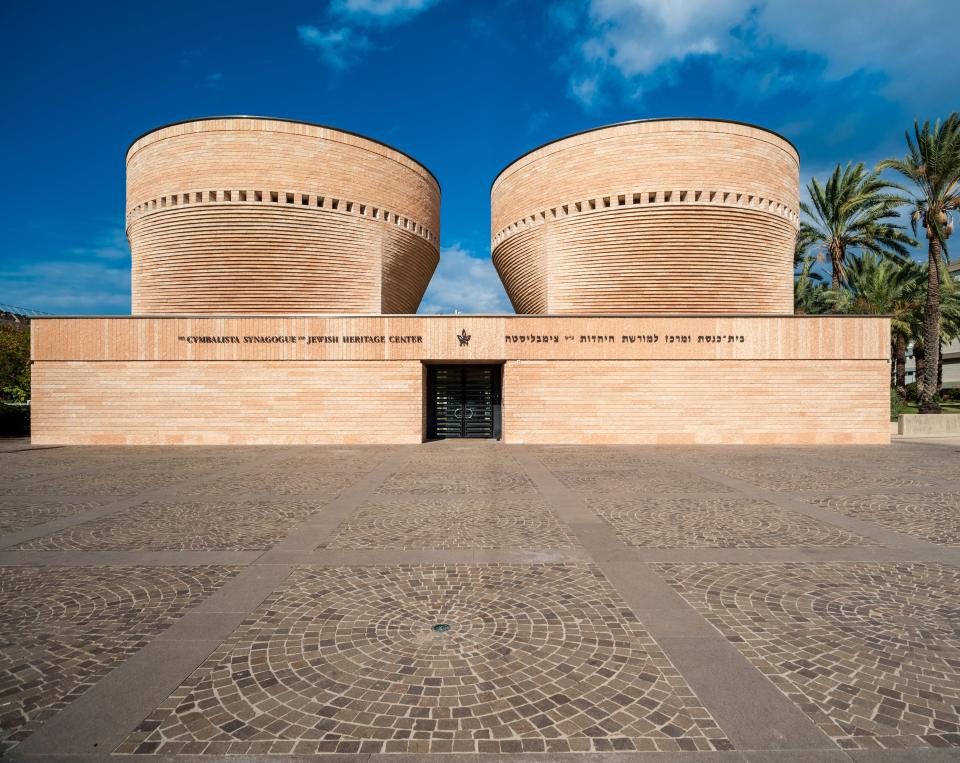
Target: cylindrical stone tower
x,y
234,215
663,216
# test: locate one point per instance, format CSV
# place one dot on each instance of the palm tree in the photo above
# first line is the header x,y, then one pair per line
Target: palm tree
x,y
876,286
949,322
808,292
906,323
856,209
932,164
949,319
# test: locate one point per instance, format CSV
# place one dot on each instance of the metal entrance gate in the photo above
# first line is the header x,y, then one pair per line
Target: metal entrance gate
x,y
463,401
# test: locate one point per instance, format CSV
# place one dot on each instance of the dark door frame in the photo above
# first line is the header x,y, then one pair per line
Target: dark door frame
x,y
430,414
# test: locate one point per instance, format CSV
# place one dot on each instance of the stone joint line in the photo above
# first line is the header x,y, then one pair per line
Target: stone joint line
x,y
796,731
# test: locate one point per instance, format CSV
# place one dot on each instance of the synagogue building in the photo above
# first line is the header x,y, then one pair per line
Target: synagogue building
x,y
277,267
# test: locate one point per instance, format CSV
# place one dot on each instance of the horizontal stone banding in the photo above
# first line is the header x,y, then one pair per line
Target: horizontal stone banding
x,y
677,216
297,200
278,260
238,215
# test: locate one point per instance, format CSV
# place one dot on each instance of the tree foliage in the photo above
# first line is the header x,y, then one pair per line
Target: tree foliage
x,y
809,294
14,363
855,209
876,286
932,165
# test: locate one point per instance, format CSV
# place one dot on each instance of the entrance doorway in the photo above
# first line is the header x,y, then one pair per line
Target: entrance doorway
x,y
463,401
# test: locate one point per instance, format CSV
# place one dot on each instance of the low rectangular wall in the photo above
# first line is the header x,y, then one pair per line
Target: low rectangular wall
x,y
229,402
359,379
675,402
925,425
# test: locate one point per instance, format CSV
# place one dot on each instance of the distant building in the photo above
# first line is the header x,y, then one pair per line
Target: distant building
x,y
951,352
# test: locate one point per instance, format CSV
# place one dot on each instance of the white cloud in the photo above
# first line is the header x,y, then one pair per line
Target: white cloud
x,y
84,279
339,48
886,35
464,283
341,44
585,89
68,287
641,42
110,245
638,36
380,11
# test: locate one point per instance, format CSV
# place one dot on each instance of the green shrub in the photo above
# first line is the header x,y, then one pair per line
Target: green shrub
x,y
14,362
896,405
950,394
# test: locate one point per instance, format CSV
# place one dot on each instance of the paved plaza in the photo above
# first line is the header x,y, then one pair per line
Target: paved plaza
x,y
469,601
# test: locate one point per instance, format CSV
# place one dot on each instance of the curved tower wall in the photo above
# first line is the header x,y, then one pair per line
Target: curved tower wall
x,y
669,216
244,215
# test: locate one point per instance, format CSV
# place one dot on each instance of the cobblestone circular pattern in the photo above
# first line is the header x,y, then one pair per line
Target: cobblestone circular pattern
x,y
108,484
636,481
274,482
193,526
572,457
454,522
799,480
458,480
715,523
112,480
536,658
63,629
446,456
20,515
871,651
934,517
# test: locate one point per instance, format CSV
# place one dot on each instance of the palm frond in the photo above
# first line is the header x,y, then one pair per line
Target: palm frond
x,y
855,209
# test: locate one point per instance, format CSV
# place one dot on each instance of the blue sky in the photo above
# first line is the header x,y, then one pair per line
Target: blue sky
x,y
464,87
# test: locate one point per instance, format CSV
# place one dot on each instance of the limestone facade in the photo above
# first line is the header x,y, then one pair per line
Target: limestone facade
x,y
275,264
350,379
662,216
245,215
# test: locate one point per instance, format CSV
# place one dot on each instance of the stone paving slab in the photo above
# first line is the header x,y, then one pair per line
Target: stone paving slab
x,y
870,651
641,482
617,577
64,628
933,517
533,659
183,526
126,558
452,523
467,482
678,522
18,515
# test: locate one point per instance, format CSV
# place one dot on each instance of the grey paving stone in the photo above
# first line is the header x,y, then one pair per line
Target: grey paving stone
x,y
20,514
539,658
452,523
683,522
704,556
934,517
183,526
870,651
65,628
